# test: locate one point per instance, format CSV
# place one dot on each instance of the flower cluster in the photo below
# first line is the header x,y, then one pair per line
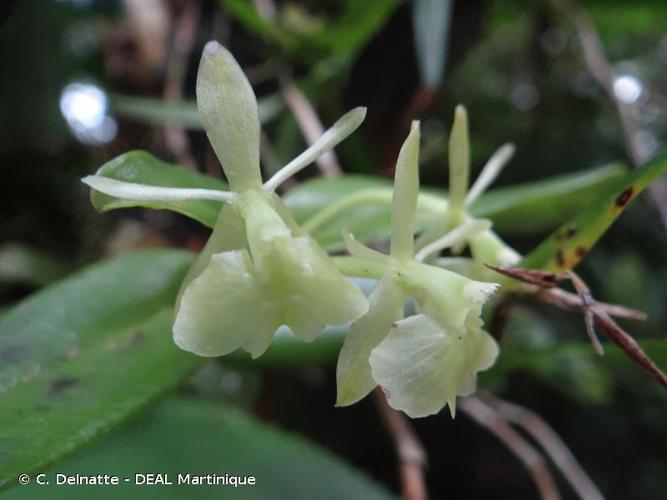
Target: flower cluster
x,y
259,270
426,360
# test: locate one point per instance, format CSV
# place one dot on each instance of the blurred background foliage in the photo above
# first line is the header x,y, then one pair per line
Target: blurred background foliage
x,y
85,80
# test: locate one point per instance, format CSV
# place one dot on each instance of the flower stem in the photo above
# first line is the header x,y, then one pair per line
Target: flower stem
x,y
426,202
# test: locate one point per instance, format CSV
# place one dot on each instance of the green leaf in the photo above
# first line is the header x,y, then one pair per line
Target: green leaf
x,y
247,14
570,243
538,205
544,204
197,437
141,167
81,355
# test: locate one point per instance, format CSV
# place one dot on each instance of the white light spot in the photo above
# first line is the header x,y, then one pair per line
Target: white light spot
x,y
627,88
84,107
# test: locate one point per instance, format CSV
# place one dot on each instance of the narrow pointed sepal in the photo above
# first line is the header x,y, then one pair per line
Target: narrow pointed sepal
x,y
353,373
228,110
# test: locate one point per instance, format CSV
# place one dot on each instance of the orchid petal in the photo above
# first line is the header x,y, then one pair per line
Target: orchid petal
x,y
490,171
223,309
353,374
358,249
310,292
453,237
228,234
144,192
345,125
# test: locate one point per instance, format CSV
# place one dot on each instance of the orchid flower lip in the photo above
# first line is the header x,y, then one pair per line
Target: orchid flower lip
x,y
133,191
339,131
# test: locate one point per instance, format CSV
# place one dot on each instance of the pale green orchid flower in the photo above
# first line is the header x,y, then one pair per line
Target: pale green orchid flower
x,y
258,270
486,246
422,362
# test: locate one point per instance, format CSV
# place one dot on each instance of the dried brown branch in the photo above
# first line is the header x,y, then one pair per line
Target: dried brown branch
x,y
531,459
587,308
602,72
184,35
311,127
409,450
597,314
551,443
572,302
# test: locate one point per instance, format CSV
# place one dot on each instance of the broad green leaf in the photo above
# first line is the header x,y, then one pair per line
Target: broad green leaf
x,y
185,113
199,437
141,167
81,355
570,243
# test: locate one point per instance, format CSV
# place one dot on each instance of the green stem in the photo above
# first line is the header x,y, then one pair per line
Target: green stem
x,y
426,202
360,268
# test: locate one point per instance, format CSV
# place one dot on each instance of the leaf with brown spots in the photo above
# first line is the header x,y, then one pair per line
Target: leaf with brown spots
x,y
568,245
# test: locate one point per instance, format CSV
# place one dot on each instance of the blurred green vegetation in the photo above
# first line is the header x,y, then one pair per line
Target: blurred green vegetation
x,y
518,67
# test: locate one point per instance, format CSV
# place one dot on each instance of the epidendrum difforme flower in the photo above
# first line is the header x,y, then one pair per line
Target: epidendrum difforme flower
x,y
426,360
486,246
258,270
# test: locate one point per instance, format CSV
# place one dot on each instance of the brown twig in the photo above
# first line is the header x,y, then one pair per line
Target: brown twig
x,y
587,308
551,443
571,302
531,459
409,450
602,72
185,31
597,314
311,127
546,290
